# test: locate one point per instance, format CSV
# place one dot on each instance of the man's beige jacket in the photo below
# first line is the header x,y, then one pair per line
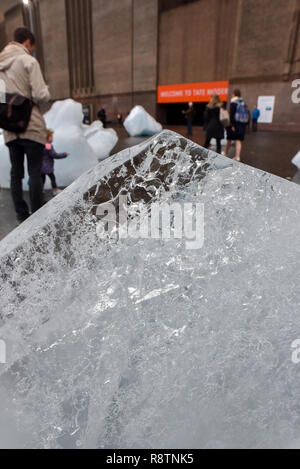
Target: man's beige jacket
x,y
22,74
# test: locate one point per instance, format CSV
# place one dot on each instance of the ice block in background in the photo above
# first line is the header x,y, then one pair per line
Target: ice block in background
x,y
139,123
296,160
86,144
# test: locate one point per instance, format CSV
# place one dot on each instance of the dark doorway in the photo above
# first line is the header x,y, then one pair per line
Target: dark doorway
x,y
171,114
174,116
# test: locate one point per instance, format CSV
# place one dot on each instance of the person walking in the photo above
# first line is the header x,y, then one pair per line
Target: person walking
x,y
212,122
255,117
22,75
239,118
48,162
189,116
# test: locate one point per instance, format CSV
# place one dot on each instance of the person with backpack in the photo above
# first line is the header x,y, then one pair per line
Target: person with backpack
x,y
21,118
239,118
212,122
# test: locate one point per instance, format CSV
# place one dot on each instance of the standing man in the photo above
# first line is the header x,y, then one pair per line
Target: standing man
x,y
22,74
189,116
255,117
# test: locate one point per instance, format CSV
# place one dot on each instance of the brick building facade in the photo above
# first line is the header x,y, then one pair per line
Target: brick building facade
x,y
115,53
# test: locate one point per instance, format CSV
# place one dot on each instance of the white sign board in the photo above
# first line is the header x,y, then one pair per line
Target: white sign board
x,y
266,105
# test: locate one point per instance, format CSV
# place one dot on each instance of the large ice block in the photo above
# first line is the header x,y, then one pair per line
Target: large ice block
x,y
139,123
142,343
101,140
86,144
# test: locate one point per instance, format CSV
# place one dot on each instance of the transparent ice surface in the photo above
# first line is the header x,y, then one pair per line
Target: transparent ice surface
x,y
139,123
86,144
142,343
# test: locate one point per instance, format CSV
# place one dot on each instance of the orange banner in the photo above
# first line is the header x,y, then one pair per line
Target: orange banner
x,y
192,92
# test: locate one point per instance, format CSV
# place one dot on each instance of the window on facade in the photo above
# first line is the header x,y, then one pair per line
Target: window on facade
x,y
80,46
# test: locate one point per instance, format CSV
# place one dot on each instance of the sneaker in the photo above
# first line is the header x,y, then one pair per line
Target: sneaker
x,y
56,192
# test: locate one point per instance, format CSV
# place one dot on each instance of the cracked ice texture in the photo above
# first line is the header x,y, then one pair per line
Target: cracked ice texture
x,y
86,144
142,343
139,123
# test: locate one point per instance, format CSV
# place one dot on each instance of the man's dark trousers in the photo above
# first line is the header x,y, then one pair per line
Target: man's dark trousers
x,y
34,152
190,127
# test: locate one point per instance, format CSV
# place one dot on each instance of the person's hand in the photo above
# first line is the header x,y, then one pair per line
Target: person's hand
x,y
233,128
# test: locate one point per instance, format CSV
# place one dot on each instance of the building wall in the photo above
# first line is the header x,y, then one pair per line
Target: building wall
x,y
263,38
145,45
196,41
255,45
5,5
125,53
55,47
225,39
3,39
138,44
266,56
13,19
112,26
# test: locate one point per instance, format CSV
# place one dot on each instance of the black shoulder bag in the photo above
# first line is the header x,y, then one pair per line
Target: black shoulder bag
x,y
15,113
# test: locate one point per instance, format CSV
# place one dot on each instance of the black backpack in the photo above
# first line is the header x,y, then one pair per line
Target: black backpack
x,y
15,113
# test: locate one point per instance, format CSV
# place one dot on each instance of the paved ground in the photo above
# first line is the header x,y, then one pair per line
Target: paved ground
x,y
7,213
269,151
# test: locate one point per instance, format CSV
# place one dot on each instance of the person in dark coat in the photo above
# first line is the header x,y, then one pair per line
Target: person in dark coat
x,y
212,123
102,116
237,129
48,162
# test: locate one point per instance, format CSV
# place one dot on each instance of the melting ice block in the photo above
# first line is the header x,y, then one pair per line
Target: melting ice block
x,y
86,144
140,123
141,343
296,160
101,140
